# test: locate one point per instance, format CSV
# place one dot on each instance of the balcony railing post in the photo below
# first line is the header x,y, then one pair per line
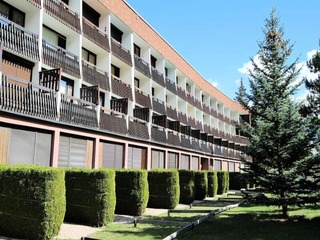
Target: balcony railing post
x,y
58,99
98,111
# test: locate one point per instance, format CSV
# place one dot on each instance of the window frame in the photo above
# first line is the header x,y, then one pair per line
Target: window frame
x,y
90,54
11,12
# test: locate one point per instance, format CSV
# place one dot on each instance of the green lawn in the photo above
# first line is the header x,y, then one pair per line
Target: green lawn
x,y
260,223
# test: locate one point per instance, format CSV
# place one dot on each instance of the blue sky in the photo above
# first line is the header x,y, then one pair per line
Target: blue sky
x,y
218,38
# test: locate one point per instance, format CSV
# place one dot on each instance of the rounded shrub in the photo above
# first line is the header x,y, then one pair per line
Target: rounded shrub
x,y
132,191
90,196
164,189
186,182
212,183
200,184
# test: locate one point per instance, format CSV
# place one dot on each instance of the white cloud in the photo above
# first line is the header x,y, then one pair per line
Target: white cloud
x,y
249,66
238,81
213,82
301,96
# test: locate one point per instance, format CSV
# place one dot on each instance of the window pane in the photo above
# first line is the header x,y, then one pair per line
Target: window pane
x,y
85,54
50,36
112,155
18,18
172,160
4,10
185,163
92,59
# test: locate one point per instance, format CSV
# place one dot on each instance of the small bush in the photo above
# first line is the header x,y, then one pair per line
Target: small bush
x,y
164,190
186,182
91,196
200,184
32,201
222,182
212,183
132,191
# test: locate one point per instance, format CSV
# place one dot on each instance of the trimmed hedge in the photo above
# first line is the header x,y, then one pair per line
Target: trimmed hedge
x,y
132,191
32,201
164,189
212,183
200,184
222,182
186,182
91,196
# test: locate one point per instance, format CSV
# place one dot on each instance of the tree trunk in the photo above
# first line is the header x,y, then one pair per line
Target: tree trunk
x,y
285,210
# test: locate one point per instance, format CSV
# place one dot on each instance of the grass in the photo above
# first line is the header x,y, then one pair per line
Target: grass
x,y
260,223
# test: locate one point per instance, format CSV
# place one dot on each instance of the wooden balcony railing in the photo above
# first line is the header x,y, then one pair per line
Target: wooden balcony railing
x,y
185,141
192,122
58,57
173,138
158,134
142,113
37,3
158,106
206,109
96,35
120,88
186,130
113,121
119,105
157,77
119,51
138,128
183,118
181,93
50,79
77,111
94,76
17,39
90,94
171,86
160,120
17,95
142,66
199,125
174,125
172,112
195,144
62,12
142,98
197,104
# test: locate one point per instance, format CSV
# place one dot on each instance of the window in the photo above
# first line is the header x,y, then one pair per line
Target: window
x,y
137,157
202,98
173,160
166,71
102,99
217,165
54,37
231,166
185,162
116,33
90,14
112,155
66,86
157,159
65,1
136,50
75,152
152,91
115,71
153,61
188,87
12,13
89,56
136,82
177,80
195,163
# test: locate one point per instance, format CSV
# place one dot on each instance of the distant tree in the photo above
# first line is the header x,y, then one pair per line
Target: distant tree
x,y
282,142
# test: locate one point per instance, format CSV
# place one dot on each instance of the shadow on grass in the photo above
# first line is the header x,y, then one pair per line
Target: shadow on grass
x,y
256,225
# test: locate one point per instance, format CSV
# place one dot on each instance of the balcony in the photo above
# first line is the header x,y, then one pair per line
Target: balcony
x,y
206,109
138,128
120,52
113,121
192,122
37,3
58,57
142,98
142,66
120,88
158,134
172,112
183,118
181,93
158,106
157,77
173,138
38,101
94,76
185,141
142,113
171,86
119,105
96,35
18,40
63,13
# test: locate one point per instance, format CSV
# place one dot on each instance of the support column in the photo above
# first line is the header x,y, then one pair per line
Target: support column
x,y
55,148
125,155
96,153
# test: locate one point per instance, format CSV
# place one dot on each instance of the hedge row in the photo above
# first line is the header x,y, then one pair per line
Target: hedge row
x,y
164,189
212,183
223,178
90,195
132,191
32,201
201,184
186,182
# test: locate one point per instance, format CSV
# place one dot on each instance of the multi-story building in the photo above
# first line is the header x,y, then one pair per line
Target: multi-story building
x,y
88,83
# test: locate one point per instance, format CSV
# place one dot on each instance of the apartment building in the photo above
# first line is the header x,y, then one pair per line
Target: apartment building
x,y
88,83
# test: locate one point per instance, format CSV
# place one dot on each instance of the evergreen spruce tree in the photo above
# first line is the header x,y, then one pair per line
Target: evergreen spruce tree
x,y
282,142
